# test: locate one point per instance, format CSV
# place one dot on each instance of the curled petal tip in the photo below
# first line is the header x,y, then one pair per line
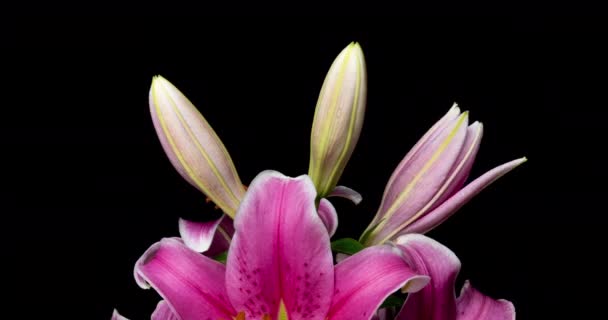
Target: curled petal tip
x,y
347,193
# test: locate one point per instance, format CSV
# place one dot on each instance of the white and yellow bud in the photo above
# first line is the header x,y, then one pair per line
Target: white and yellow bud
x,y
193,147
338,118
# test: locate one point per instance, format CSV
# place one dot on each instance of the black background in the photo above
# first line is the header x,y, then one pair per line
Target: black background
x,y
87,187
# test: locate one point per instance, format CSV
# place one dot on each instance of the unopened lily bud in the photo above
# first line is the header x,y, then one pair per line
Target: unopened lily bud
x,y
429,184
193,147
338,118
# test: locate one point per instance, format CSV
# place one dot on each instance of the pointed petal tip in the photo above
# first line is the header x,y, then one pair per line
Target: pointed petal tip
x,y
157,79
476,124
514,163
454,108
117,316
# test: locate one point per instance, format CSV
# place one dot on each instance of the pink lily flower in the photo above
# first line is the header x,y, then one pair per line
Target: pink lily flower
x,y
428,186
437,300
279,265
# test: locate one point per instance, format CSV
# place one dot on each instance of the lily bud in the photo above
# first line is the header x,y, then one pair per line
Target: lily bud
x,y
428,186
193,147
338,118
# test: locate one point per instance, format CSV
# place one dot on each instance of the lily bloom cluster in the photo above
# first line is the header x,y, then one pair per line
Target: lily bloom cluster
x,y
270,255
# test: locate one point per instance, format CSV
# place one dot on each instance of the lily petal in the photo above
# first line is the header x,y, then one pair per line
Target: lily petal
x,y
280,253
193,147
461,170
346,192
198,236
436,301
472,305
418,178
328,215
366,278
191,283
163,312
451,205
430,135
117,316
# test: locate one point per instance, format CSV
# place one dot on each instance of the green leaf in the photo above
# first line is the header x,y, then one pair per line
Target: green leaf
x,y
346,245
221,257
393,301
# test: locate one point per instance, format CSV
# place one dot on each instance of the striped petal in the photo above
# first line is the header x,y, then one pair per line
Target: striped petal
x,y
366,278
338,118
193,147
451,205
192,284
280,257
419,177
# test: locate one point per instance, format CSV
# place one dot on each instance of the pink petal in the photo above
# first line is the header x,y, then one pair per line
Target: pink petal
x,y
472,305
416,182
163,312
198,236
117,316
192,284
462,168
430,135
436,301
280,252
346,192
365,279
328,215
446,209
